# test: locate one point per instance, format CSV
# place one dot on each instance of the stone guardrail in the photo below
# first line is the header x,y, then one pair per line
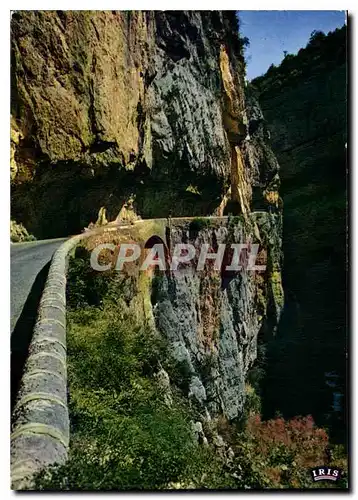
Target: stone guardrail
x,y
40,420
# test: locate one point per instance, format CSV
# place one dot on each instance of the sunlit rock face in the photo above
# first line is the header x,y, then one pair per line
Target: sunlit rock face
x,y
212,318
111,106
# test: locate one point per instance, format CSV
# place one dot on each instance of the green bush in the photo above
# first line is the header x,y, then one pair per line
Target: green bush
x,y
85,286
198,224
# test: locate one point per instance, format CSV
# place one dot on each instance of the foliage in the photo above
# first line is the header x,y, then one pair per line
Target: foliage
x,y
198,224
124,434
244,42
252,405
85,286
18,233
127,435
321,53
193,189
235,220
279,454
316,38
17,239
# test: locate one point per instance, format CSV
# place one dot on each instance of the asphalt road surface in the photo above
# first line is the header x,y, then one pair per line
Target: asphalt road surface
x,y
27,261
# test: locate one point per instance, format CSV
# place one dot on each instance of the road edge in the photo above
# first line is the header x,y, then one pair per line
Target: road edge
x,y
40,419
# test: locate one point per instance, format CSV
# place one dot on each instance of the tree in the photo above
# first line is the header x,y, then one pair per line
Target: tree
x,y
245,42
316,37
271,69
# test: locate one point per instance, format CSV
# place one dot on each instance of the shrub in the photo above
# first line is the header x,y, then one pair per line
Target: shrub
x,y
279,453
198,224
85,286
252,403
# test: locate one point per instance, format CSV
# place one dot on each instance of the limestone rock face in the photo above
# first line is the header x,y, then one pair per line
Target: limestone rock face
x,y
112,106
212,318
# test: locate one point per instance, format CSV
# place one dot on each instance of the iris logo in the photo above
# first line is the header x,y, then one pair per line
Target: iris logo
x,y
324,473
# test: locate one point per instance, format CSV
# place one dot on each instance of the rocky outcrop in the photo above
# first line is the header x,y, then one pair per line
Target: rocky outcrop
x,y
304,103
111,106
212,319
18,233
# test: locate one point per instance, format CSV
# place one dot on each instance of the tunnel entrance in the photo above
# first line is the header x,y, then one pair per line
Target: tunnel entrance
x,y
162,253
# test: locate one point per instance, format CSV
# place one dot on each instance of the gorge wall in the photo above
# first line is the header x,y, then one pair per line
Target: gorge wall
x,y
304,103
109,107
212,320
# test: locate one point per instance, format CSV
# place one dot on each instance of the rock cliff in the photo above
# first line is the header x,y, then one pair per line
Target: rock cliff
x,y
212,319
108,106
304,103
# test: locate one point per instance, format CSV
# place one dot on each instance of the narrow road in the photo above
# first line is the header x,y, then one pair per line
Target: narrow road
x,y
30,263
27,260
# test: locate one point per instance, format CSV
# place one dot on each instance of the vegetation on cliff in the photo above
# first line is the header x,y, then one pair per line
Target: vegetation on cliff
x,y
321,54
